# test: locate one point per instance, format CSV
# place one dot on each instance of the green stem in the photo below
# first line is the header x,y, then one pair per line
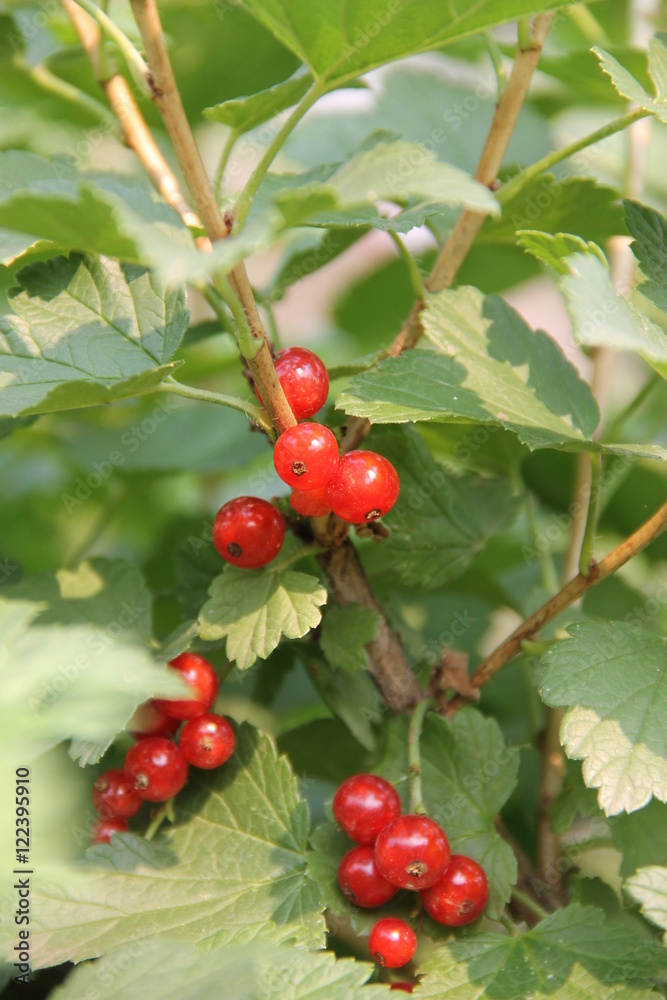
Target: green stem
x,y
307,550
272,150
632,407
223,294
416,279
414,756
522,179
530,904
47,80
588,542
524,34
230,142
589,26
508,925
131,54
499,67
164,812
190,392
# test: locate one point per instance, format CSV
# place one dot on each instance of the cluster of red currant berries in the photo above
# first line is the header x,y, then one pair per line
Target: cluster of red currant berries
x,y
156,767
401,852
359,487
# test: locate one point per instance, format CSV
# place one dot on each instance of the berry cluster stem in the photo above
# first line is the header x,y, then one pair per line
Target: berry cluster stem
x,y
414,755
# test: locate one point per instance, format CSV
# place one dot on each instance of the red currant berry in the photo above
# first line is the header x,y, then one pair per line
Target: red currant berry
x,y
461,894
311,503
363,805
150,720
157,768
114,796
364,487
248,532
392,943
304,379
203,680
306,456
412,852
360,880
104,829
207,742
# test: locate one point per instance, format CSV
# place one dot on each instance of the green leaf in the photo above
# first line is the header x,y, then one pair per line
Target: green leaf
x,y
485,365
352,697
553,250
245,113
468,773
649,229
441,521
602,317
345,633
339,44
84,331
629,87
649,887
387,167
640,836
574,954
254,609
249,972
315,251
86,688
613,679
229,871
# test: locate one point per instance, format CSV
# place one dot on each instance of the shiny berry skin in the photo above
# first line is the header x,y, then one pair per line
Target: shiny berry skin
x,y
150,720
114,796
310,503
207,742
306,456
392,943
412,852
360,880
461,894
363,805
203,680
104,829
304,379
157,768
248,532
364,487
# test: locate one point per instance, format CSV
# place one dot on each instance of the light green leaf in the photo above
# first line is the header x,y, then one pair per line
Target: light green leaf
x,y
612,678
574,954
231,870
441,521
86,330
602,317
254,609
468,773
341,43
649,229
248,973
649,887
345,633
629,87
87,686
485,365
553,250
245,113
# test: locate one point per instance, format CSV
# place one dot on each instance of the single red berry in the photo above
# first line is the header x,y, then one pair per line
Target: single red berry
x,y
248,532
405,987
150,720
207,741
114,796
364,487
360,880
203,680
363,805
306,456
104,829
412,852
304,379
461,894
311,503
392,943
157,768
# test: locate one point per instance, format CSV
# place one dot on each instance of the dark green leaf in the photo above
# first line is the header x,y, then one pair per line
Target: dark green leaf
x,y
649,229
345,633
